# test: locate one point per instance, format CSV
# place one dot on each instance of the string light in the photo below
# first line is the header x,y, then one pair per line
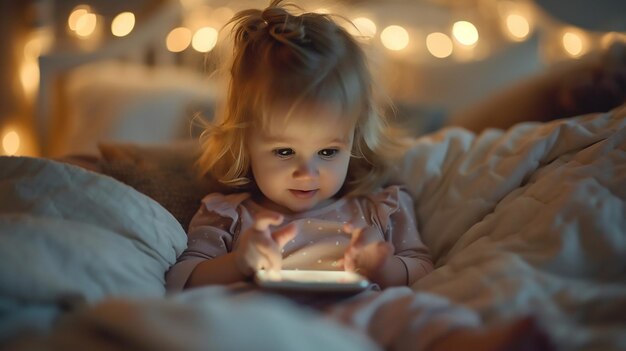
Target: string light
x,y
439,45
517,21
29,76
78,12
205,39
365,26
465,33
11,142
86,25
123,24
572,43
394,38
518,27
178,39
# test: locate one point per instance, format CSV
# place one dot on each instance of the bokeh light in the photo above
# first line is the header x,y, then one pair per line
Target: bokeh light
x,y
573,43
29,76
439,44
205,39
517,26
11,142
365,26
394,38
465,33
78,12
123,24
86,25
178,39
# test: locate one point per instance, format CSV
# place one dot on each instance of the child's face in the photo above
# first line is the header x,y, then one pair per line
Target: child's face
x,y
300,162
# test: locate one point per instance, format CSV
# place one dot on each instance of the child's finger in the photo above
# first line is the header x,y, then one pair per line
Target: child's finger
x,y
268,248
348,228
283,235
348,263
262,263
340,263
358,239
264,255
264,219
272,263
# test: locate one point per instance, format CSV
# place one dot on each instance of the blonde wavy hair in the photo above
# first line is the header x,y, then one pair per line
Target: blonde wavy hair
x,y
282,57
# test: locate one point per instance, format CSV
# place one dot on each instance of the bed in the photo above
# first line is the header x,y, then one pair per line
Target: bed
x,y
529,220
525,221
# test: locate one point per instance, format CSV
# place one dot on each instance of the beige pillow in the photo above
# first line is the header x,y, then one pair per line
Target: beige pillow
x,y
166,173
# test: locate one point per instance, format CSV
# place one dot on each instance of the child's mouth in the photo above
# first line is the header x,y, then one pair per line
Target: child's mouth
x,y
303,194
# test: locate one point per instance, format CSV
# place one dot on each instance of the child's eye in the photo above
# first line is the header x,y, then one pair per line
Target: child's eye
x,y
286,152
328,153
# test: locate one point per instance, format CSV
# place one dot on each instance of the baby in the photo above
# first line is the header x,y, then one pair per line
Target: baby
x,y
305,151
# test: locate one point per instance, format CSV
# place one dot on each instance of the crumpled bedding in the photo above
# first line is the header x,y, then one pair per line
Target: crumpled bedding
x,y
82,267
209,318
529,220
532,219
69,236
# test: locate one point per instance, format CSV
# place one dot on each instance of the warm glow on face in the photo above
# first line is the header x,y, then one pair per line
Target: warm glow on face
x,y
11,142
86,25
439,45
518,26
178,39
365,26
394,38
465,33
573,44
204,39
123,24
78,12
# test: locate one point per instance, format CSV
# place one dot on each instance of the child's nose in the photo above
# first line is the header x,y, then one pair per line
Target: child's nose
x,y
305,169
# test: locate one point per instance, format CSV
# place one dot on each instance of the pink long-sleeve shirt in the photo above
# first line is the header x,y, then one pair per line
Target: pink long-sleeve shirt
x,y
387,215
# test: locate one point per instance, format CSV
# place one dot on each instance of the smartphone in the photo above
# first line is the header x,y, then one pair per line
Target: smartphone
x,y
311,280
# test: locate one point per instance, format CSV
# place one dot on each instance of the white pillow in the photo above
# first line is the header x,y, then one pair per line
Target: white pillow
x,y
72,234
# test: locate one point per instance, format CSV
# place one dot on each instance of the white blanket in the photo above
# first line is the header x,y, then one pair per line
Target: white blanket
x,y
531,220
82,265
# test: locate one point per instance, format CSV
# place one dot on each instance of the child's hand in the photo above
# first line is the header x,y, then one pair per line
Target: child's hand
x,y
367,259
261,249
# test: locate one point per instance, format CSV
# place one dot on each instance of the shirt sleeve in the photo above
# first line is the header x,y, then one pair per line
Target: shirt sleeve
x,y
211,234
397,218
